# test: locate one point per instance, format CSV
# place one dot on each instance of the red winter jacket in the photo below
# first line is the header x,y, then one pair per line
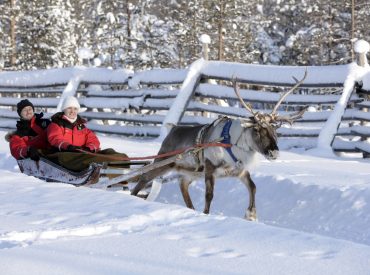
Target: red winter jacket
x,y
61,133
29,133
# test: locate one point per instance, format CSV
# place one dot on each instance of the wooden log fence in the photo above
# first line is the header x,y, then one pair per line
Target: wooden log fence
x,y
138,104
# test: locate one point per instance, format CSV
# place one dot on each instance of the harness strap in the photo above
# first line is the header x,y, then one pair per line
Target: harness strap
x,y
225,134
198,154
168,154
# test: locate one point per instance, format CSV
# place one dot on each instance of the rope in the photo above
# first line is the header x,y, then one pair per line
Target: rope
x,y
168,154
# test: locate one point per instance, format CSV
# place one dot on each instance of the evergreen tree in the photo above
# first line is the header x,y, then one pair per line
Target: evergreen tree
x,y
46,34
165,33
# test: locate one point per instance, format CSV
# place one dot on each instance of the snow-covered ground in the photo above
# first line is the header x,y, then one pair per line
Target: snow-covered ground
x,y
314,218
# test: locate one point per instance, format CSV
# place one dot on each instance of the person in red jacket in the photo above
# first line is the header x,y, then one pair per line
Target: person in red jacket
x,y
68,131
75,145
30,135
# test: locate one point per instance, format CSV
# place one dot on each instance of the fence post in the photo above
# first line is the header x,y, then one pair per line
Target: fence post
x,y
361,48
69,90
178,107
205,40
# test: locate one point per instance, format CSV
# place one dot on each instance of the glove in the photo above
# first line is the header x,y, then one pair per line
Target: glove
x,y
33,154
73,148
87,149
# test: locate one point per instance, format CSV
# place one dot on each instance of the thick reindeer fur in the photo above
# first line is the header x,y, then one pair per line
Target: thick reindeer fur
x,y
247,139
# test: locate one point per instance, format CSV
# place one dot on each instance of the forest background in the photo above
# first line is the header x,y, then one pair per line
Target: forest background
x,y
145,34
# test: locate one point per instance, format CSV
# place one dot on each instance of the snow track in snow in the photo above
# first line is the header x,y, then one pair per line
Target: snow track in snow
x,y
130,225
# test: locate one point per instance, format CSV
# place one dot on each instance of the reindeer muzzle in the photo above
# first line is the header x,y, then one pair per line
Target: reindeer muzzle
x,y
272,154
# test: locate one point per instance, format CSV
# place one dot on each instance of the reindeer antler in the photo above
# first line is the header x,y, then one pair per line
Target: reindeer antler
x,y
291,118
288,92
273,117
246,106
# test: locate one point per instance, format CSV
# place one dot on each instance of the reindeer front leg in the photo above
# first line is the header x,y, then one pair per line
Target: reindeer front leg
x,y
210,183
251,213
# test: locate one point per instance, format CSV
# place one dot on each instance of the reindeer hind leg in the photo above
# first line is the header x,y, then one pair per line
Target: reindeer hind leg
x,y
184,187
209,182
147,177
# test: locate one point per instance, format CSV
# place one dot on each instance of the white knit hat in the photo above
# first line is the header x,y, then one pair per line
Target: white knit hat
x,y
70,101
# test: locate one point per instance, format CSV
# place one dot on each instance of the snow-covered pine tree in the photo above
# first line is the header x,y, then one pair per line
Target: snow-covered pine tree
x,y
318,35
361,19
107,22
186,20
84,23
147,33
46,34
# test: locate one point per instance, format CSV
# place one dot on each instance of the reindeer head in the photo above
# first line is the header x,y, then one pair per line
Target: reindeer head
x,y
264,126
264,138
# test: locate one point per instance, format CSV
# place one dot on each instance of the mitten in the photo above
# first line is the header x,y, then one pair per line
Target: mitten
x,y
33,154
73,148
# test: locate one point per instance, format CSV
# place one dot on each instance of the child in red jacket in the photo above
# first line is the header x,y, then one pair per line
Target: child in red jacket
x,y
30,134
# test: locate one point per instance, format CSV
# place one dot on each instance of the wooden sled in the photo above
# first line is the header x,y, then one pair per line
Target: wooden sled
x,y
102,176
46,170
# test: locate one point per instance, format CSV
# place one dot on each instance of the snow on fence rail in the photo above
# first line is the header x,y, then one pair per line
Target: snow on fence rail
x,y
142,103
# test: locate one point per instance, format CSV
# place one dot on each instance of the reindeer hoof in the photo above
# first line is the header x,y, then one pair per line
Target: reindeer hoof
x,y
251,215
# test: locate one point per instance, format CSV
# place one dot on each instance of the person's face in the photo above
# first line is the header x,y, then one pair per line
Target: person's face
x,y
71,112
27,113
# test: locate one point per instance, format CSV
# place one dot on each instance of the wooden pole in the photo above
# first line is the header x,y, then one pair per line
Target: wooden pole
x,y
353,27
205,40
221,31
13,58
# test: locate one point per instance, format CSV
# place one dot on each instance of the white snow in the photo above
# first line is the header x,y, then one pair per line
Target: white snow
x,y
260,9
313,207
205,39
85,53
361,46
314,218
62,76
268,73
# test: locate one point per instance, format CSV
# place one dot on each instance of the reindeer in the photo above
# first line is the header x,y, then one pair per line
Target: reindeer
x,y
247,137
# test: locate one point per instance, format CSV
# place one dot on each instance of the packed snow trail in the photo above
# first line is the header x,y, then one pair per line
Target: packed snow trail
x,y
58,229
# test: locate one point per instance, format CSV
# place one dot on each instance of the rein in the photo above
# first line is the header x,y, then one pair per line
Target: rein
x,y
168,154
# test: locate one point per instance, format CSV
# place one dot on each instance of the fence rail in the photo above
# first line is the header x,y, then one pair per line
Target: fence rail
x,y
139,104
